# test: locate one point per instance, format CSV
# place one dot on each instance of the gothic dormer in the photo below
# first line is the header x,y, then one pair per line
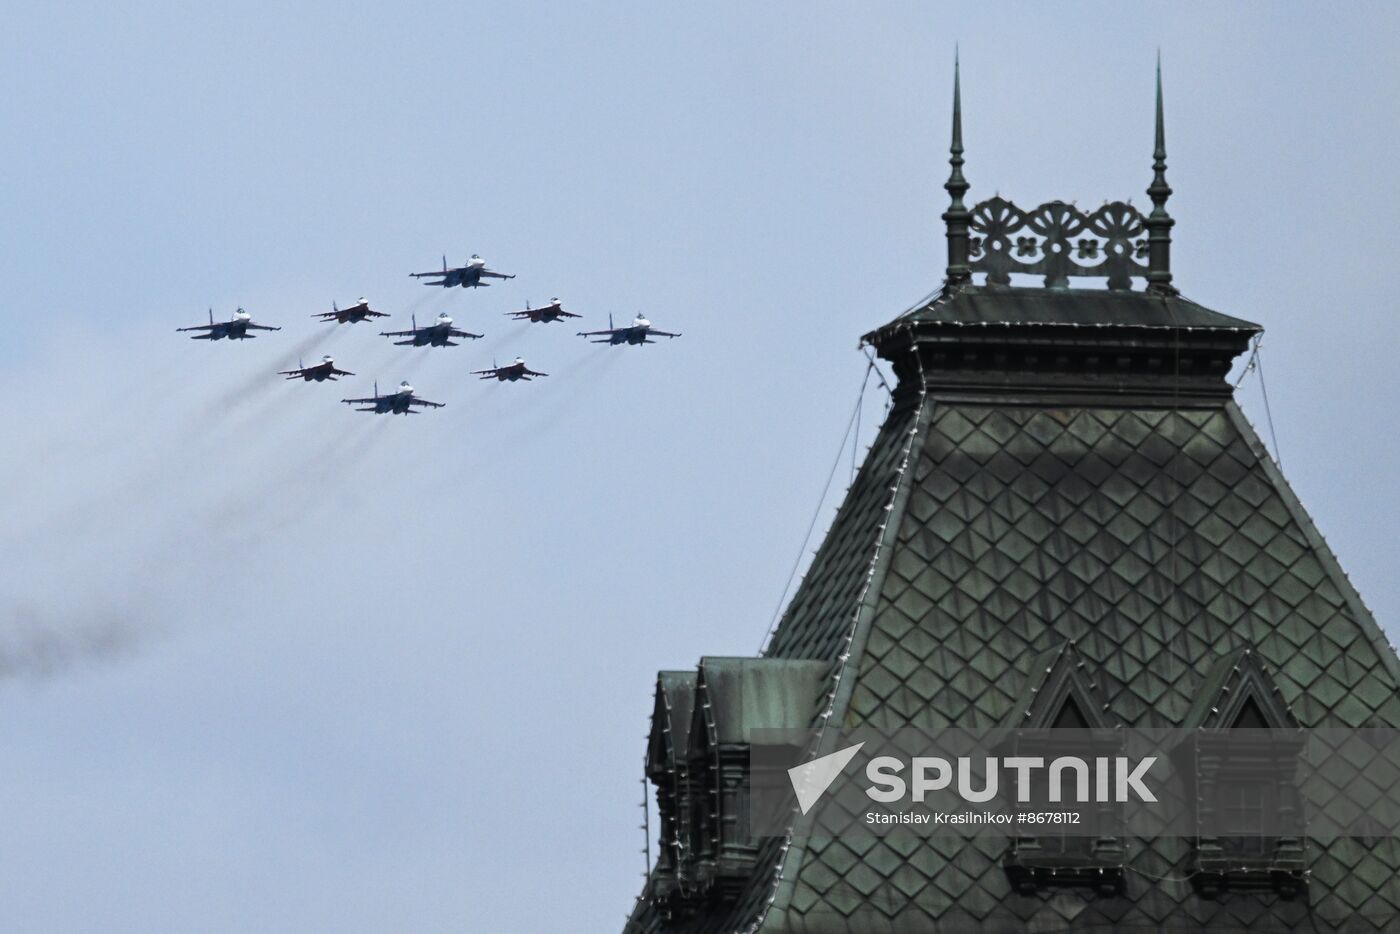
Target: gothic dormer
x,y
1241,763
1062,711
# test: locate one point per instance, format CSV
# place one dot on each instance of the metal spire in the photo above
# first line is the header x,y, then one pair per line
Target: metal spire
x,y
957,216
1159,222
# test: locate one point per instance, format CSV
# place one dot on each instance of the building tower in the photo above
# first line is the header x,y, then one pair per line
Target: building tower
x,y
1065,519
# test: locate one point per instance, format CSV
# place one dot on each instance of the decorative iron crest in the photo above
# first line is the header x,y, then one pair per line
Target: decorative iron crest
x,y
1058,240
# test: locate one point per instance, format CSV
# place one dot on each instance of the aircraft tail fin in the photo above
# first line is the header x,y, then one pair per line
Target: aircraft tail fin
x,y
211,315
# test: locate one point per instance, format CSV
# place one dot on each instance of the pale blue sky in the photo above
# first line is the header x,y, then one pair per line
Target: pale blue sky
x,y
275,666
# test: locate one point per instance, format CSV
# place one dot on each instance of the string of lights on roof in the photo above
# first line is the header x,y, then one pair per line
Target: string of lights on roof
x,y
824,718
964,258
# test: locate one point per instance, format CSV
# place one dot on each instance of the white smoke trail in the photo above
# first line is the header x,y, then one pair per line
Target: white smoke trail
x,y
146,483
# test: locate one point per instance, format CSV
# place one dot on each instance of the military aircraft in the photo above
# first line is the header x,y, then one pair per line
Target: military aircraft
x,y
235,329
639,332
437,334
399,402
352,315
511,371
320,372
468,276
550,312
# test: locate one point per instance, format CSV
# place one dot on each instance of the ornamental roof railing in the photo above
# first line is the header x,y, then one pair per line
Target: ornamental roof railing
x,y
1058,240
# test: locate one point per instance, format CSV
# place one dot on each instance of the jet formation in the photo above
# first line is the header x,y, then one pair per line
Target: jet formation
x,y
638,332
320,372
235,329
352,315
511,371
398,402
551,312
469,276
442,332
437,334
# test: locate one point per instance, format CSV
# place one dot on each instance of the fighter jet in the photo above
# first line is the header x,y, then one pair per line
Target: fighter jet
x,y
437,334
235,329
512,371
468,276
550,312
639,332
320,372
352,315
400,402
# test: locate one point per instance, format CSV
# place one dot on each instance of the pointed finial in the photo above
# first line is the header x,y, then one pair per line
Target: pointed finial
x,y
1159,153
957,216
1159,222
957,147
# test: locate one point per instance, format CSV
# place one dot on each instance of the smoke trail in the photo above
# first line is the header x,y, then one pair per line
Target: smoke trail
x,y
540,414
417,304
150,461
505,340
412,364
265,374
42,643
296,493
585,376
389,369
96,426
336,467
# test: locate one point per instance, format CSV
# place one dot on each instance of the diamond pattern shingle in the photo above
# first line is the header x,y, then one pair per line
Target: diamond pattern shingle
x,y
1157,539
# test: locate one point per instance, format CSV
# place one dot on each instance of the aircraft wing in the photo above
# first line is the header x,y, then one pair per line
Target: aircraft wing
x,y
400,333
202,327
293,373
529,372
327,315
336,372
496,275
520,315
376,314
261,327
652,332
485,374
567,314
441,273
457,332
373,400
417,401
608,333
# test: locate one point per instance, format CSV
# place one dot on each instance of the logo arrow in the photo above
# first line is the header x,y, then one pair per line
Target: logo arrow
x,y
811,779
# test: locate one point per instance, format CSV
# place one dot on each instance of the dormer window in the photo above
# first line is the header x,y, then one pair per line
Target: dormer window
x,y
1061,697
1243,763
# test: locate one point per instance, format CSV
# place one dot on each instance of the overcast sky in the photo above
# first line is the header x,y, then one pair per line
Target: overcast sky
x,y
269,664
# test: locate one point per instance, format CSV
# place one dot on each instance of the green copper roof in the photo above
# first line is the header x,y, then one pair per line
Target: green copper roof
x,y
746,694
982,305
1157,541
1063,476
